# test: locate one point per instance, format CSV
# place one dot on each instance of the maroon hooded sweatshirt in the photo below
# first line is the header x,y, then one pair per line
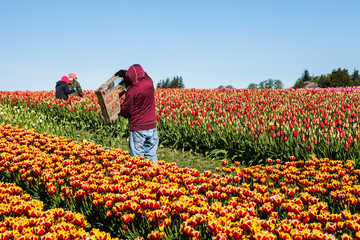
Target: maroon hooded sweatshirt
x,y
139,104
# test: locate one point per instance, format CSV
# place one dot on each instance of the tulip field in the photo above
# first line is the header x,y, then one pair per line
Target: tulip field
x,y
253,125
25,218
289,167
238,124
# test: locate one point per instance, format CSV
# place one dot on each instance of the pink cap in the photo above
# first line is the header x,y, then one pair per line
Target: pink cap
x,y
65,79
72,75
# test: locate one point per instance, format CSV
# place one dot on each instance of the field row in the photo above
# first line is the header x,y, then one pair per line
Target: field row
x,y
238,124
131,198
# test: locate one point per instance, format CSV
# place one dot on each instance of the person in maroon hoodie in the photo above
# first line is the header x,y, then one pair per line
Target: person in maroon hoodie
x,y
139,108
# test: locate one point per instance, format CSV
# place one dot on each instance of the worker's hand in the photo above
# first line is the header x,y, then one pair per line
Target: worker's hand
x,y
120,73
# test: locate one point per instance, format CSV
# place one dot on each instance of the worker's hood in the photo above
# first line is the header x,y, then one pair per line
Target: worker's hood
x,y
136,74
58,83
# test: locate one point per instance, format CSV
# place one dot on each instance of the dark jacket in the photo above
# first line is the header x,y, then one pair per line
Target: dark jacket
x,y
62,90
139,103
75,84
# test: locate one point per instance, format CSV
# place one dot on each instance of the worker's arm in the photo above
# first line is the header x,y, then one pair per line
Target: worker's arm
x,y
67,90
127,105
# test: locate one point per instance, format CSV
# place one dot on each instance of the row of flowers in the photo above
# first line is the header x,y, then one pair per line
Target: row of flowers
x,y
256,124
240,124
23,218
136,198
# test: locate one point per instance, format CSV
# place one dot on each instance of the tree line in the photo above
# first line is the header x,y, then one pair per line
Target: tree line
x,y
337,78
268,84
175,82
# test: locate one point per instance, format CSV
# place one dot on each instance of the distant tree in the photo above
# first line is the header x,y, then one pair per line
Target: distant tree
x,y
340,78
337,78
176,82
355,78
303,80
227,86
316,79
163,83
278,84
299,83
271,84
252,86
261,85
324,81
306,77
180,83
267,84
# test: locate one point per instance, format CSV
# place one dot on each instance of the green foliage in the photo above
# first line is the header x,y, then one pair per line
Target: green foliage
x,y
253,86
306,77
303,80
176,82
340,78
278,84
226,87
337,78
324,81
299,84
267,84
355,78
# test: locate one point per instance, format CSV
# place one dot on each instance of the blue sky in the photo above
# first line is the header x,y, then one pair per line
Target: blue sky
x,y
208,43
